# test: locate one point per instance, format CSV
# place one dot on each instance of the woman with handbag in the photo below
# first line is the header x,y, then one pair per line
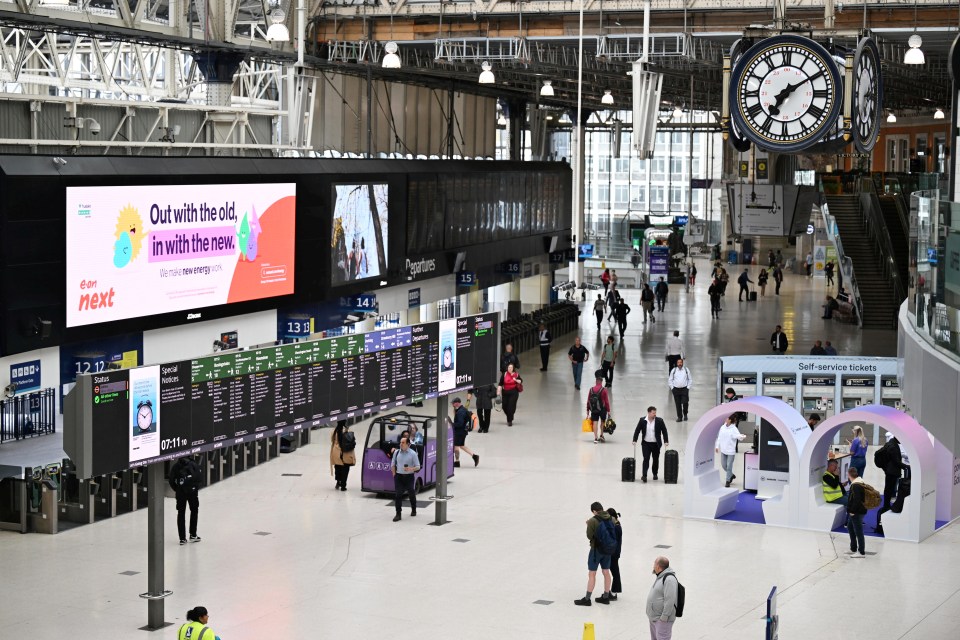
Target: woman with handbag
x,y
343,444
511,385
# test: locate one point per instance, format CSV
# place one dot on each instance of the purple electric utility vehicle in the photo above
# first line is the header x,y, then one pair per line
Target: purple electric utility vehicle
x,y
383,436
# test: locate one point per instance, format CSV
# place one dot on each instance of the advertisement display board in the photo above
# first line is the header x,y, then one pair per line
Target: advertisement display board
x,y
659,263
134,251
149,414
359,236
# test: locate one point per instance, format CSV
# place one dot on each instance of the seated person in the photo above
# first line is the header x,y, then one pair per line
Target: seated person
x,y
833,491
829,307
416,438
391,442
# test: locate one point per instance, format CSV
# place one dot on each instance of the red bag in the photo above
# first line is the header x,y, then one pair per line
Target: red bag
x,y
519,387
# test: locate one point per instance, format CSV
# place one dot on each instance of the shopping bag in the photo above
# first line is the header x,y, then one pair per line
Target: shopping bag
x,y
587,426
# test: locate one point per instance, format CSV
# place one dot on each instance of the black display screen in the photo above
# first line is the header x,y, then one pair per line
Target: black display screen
x,y
162,412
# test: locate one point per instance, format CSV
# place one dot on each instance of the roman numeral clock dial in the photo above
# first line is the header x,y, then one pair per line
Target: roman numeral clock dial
x,y
867,95
785,93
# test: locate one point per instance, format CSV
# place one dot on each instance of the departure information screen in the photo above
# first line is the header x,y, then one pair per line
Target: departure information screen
x,y
149,414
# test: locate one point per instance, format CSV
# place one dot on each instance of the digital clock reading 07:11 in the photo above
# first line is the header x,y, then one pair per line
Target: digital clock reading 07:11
x,y
172,443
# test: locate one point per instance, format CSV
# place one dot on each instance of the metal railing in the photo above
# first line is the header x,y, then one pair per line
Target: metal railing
x,y
28,415
879,235
845,264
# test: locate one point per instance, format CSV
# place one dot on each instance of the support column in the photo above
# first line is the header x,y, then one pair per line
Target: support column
x,y
218,69
516,113
155,570
443,451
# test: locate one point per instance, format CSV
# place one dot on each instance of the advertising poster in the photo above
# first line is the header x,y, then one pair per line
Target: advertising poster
x,y
448,354
144,413
659,263
144,250
358,238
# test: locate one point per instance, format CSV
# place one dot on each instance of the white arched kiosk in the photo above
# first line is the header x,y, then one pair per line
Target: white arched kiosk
x,y
917,521
704,493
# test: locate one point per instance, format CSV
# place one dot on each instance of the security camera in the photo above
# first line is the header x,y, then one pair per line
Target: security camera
x,y
93,127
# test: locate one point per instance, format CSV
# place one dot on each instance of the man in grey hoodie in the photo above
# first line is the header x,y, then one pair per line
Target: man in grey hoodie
x,y
662,600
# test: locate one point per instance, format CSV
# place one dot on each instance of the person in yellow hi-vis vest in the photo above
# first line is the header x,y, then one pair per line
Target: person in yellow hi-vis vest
x,y
196,626
832,486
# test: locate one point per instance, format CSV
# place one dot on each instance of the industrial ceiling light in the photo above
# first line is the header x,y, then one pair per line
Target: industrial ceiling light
x,y
486,75
677,113
547,89
391,60
607,97
277,32
914,54
891,118
565,118
938,114
502,120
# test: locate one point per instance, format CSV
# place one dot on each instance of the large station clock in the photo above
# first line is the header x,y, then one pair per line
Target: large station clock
x,y
737,139
867,95
785,93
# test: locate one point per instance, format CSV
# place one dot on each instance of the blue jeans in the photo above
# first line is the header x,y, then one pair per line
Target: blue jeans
x,y
859,463
726,461
855,527
577,372
841,500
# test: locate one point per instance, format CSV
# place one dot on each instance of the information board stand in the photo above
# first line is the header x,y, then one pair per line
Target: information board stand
x,y
155,570
441,498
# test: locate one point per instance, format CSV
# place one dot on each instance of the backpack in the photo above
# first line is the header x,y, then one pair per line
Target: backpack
x,y
348,441
871,497
188,475
681,594
609,426
881,457
606,537
595,401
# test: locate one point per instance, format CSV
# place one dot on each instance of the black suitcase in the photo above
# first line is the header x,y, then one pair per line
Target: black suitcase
x,y
628,468
671,466
752,296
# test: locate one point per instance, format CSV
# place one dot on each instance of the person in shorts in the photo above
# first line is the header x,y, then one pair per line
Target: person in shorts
x,y
596,560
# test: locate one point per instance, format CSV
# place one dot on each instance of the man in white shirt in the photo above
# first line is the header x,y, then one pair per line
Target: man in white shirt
x,y
674,351
651,432
726,445
680,382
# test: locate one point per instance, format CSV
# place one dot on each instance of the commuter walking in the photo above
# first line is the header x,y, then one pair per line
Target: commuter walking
x,y
343,444
771,259
828,271
809,264
832,485
889,459
613,300
779,258
635,258
778,277
715,291
662,600
661,293
603,544
762,282
462,424
185,479
613,278
858,450
693,274
651,432
545,340
680,381
484,405
598,407
623,310
404,467
856,509
599,308
508,358
607,361
578,354
726,445
646,301
743,280
724,279
617,586
605,279
510,386
674,351
195,628
778,340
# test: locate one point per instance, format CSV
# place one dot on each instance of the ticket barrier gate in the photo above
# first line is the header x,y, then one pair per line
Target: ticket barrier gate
x,y
42,498
132,493
14,506
77,496
108,486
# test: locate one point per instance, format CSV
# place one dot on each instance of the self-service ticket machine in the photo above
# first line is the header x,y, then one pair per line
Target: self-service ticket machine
x,y
781,386
817,396
857,391
890,392
744,385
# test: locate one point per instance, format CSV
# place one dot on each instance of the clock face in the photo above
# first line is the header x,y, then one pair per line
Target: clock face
x,y
867,95
785,93
144,417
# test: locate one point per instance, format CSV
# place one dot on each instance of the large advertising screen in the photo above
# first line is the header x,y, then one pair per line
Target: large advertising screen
x,y
144,250
358,240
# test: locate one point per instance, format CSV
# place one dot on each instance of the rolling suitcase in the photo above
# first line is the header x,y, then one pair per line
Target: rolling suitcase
x,y
628,468
752,296
671,466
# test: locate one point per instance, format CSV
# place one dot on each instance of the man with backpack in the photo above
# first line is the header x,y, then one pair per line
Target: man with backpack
x,y
463,423
665,600
857,507
185,480
603,544
598,407
888,459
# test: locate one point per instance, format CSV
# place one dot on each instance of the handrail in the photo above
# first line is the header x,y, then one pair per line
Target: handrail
x,y
844,263
878,233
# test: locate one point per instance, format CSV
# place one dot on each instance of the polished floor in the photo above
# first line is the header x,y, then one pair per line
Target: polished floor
x,y
287,556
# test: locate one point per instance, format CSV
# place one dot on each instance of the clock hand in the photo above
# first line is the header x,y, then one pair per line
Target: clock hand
x,y
783,95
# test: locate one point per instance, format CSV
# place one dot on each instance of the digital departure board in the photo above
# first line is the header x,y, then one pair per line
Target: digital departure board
x,y
139,416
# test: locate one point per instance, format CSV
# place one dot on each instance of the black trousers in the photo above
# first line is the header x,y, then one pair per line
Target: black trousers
x,y
681,397
483,416
890,484
510,403
650,449
544,354
616,587
661,301
607,367
743,288
622,324
185,498
599,314
340,473
404,483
